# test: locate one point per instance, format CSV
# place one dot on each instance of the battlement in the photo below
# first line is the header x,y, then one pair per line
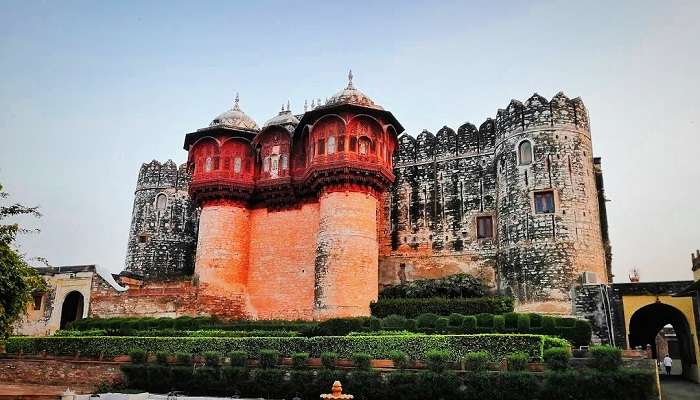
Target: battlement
x,y
155,175
695,258
467,140
537,111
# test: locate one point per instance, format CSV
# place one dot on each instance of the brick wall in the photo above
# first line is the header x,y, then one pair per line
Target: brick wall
x,y
69,373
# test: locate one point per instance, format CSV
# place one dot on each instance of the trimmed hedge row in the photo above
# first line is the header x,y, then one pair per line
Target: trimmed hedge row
x,y
413,307
186,323
177,333
415,346
271,383
453,286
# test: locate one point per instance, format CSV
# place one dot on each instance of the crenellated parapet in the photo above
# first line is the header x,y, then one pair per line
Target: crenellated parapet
x,y
538,112
155,175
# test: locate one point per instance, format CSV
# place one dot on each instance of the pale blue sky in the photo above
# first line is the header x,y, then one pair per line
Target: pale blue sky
x,y
90,90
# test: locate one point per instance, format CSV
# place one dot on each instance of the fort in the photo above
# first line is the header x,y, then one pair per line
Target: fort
x,y
310,215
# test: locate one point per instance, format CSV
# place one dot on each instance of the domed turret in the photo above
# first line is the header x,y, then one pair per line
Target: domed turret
x,y
284,118
235,119
351,95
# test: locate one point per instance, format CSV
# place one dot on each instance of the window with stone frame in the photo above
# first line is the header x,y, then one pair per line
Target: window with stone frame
x,y
161,202
330,145
525,153
37,297
484,227
544,202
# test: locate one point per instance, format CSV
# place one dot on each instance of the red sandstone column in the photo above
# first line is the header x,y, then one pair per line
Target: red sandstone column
x,y
346,254
222,258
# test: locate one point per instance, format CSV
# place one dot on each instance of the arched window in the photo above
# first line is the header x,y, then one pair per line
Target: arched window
x,y
364,146
161,201
274,166
525,153
237,165
208,165
266,164
284,162
331,145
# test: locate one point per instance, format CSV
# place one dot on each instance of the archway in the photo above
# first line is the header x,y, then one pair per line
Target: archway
x,y
646,323
72,308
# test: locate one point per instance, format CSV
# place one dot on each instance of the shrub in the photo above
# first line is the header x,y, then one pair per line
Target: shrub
x,y
581,333
469,324
183,358
269,358
299,360
399,358
476,361
411,307
342,326
138,356
436,360
456,319
162,357
535,320
393,322
375,323
238,359
517,361
411,325
523,323
511,320
605,358
557,358
427,320
135,375
328,360
211,358
160,378
484,320
441,324
362,361
550,341
499,323
548,325
453,286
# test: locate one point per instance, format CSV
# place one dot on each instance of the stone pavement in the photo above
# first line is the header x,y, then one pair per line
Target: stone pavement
x,y
679,389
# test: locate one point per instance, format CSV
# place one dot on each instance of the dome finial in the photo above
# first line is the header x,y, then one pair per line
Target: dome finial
x,y
350,76
306,105
288,106
235,105
282,110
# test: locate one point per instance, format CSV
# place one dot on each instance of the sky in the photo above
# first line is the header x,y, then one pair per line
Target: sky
x,y
91,90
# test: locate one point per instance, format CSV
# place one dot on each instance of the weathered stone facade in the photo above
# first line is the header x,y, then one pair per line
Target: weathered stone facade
x,y
447,183
163,232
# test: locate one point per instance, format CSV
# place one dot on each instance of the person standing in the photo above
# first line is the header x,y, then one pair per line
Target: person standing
x,y
668,362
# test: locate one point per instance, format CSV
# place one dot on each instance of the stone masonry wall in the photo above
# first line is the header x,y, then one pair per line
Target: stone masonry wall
x,y
68,373
163,231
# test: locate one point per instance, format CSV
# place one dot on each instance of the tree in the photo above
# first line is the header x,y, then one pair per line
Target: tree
x,y
18,280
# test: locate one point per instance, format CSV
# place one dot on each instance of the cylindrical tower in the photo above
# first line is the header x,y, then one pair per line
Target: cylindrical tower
x,y
549,231
222,159
349,143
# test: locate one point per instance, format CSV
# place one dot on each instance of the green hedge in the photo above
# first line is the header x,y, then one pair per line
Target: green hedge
x,y
453,286
126,324
415,346
413,307
271,383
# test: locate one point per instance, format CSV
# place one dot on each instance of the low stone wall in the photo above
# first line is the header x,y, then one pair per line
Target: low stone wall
x,y
53,371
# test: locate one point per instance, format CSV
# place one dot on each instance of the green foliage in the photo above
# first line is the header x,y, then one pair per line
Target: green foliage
x,y
625,384
138,356
499,323
469,324
399,358
362,361
456,319
535,320
162,357
238,358
517,361
427,320
524,323
605,358
484,320
375,323
269,358
412,307
299,360
411,325
550,342
548,325
453,286
476,361
415,346
328,359
342,326
183,358
441,324
189,324
511,320
436,360
211,358
557,358
393,322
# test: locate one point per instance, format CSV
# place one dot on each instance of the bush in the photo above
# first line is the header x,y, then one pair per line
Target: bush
x,y
456,319
436,360
299,360
183,358
524,323
581,333
441,324
484,320
211,358
342,326
499,323
362,361
399,358
511,320
476,361
557,358
269,358
605,358
375,323
393,322
627,384
517,362
328,360
453,286
469,324
238,359
548,325
427,320
411,307
411,325
550,342
162,357
535,320
138,356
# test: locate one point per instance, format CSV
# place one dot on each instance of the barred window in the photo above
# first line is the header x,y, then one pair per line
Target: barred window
x,y
544,202
525,153
484,227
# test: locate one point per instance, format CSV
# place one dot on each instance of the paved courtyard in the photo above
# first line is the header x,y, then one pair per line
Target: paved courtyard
x,y
678,389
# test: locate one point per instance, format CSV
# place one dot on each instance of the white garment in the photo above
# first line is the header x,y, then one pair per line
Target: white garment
x,y
668,362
